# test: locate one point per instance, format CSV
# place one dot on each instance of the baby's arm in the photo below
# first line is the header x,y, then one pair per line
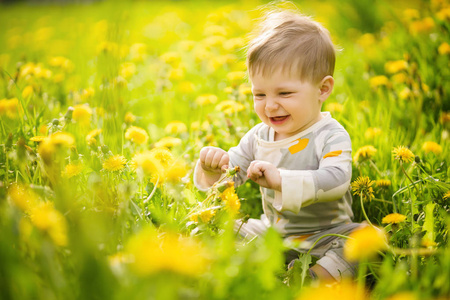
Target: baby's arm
x,y
329,182
212,163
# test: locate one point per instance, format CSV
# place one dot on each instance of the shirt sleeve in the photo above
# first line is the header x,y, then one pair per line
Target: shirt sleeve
x,y
329,182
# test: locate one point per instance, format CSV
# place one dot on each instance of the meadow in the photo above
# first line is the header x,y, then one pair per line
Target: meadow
x,y
104,107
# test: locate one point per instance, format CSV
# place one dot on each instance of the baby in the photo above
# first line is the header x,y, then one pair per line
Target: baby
x,y
300,156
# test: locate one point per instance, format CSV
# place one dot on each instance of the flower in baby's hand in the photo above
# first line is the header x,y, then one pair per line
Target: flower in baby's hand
x,y
364,243
204,215
403,154
114,163
231,199
393,218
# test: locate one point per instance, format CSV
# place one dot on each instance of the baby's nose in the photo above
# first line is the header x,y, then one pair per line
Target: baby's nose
x,y
271,105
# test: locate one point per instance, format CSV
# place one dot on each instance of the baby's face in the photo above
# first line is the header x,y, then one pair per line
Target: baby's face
x,y
285,103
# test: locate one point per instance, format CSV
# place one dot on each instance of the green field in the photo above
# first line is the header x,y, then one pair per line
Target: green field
x,y
104,107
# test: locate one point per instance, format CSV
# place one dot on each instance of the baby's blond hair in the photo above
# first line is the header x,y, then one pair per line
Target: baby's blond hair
x,y
294,42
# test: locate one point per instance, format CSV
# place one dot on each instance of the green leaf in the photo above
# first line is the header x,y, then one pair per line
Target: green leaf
x,y
428,224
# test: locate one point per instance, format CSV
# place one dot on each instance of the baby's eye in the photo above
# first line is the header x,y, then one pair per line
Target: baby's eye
x,y
259,95
285,93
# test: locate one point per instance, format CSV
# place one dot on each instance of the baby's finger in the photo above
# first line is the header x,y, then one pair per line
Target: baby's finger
x,y
216,159
209,158
203,153
224,160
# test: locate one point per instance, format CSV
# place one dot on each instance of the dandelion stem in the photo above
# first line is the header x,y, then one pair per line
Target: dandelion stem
x,y
375,167
363,210
409,178
153,191
324,236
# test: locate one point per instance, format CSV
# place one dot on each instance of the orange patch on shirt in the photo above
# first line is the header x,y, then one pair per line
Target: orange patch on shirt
x,y
302,143
301,238
333,153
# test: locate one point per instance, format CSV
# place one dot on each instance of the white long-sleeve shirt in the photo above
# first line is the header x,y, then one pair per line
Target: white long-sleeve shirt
x,y
315,167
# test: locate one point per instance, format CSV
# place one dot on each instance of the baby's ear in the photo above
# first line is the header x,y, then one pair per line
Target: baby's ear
x,y
326,87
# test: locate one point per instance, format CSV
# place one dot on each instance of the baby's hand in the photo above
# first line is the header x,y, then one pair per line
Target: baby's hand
x,y
265,174
214,160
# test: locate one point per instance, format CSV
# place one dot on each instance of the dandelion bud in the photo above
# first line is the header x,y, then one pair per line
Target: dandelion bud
x,y
223,186
232,172
417,159
73,153
55,122
9,141
21,150
105,149
68,115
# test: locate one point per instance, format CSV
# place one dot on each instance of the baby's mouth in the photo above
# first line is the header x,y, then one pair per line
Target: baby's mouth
x,y
278,119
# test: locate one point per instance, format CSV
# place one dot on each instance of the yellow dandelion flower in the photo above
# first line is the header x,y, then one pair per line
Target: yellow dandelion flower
x,y
393,218
383,183
231,200
168,142
345,289
72,169
27,92
430,146
364,153
11,108
236,76
87,93
22,197
206,99
204,215
378,81
186,87
400,78
366,40
82,113
46,218
403,154
175,127
334,107
129,118
405,93
127,70
147,163
421,26
151,253
395,66
229,107
406,295
446,195
364,243
136,134
411,14
138,52
114,163
176,74
444,14
372,132
62,139
362,187
163,155
171,58
91,136
175,172
38,138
